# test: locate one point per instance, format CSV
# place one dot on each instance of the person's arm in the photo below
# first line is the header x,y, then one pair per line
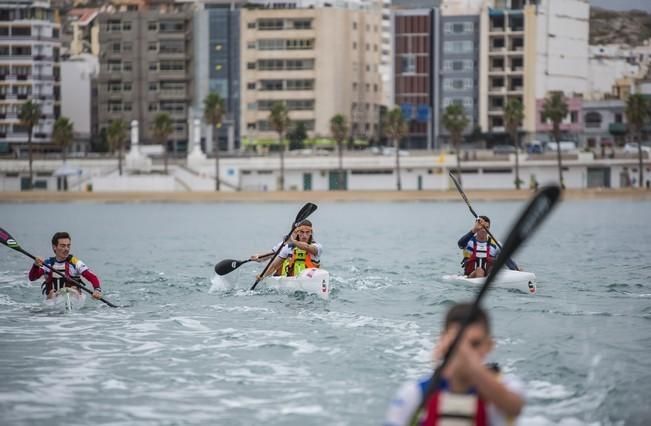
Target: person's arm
x,y
313,249
36,270
277,263
89,275
403,405
261,257
494,391
463,241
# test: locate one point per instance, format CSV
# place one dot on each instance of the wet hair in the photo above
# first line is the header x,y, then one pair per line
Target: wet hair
x,y
485,219
58,236
459,312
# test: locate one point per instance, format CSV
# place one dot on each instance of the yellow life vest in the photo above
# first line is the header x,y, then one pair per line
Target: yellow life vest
x,y
299,261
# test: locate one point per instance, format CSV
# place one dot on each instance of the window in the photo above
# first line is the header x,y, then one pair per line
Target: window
x,y
152,26
408,64
172,65
153,66
250,45
126,67
251,86
302,24
116,47
153,87
126,26
114,87
175,26
300,84
271,85
464,46
299,44
153,46
115,66
114,106
172,86
127,46
354,25
153,107
354,45
271,44
250,25
457,83
126,87
127,106
270,24
574,116
250,65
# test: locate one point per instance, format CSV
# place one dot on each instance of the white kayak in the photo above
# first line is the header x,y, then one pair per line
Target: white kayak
x,y
65,300
315,281
519,280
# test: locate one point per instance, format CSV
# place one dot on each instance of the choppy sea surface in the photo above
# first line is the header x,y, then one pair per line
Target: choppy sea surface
x,y
178,353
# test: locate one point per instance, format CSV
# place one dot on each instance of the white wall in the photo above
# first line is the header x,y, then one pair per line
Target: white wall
x,y
76,76
562,47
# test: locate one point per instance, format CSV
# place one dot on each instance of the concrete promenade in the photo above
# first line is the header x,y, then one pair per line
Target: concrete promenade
x,y
314,196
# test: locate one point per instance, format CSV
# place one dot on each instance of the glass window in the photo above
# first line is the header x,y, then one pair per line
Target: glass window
x,y
152,26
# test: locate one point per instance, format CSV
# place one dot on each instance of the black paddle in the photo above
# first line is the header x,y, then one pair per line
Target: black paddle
x,y
463,195
227,266
10,242
533,215
303,214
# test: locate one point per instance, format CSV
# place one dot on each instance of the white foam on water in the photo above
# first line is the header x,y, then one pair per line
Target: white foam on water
x,y
190,323
543,421
114,384
220,284
545,390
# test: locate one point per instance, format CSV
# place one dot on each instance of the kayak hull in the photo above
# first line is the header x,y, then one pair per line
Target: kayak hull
x,y
313,281
65,300
518,280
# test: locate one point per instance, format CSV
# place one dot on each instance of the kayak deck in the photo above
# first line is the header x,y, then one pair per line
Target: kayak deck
x,y
314,281
518,280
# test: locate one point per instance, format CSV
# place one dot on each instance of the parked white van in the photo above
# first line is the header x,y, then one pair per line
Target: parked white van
x,y
566,146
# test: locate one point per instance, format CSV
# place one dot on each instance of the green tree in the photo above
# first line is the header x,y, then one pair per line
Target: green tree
x,y
116,135
513,116
213,113
637,114
339,132
162,129
280,122
455,122
555,109
297,136
30,114
62,135
395,128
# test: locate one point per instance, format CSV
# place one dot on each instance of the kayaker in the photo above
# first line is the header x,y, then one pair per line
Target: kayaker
x,y
301,252
67,264
470,391
479,250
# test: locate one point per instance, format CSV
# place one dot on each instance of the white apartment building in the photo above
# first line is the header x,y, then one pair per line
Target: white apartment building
x,y
320,62
29,68
528,49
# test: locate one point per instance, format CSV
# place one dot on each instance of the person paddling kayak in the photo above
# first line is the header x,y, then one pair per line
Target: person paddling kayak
x,y
300,253
480,251
67,264
470,391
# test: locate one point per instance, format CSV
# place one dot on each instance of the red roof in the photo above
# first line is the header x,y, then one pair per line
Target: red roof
x,y
84,15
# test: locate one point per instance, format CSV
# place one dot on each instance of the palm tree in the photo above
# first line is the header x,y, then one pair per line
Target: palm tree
x,y
213,113
162,129
62,135
637,114
116,134
339,131
513,116
395,128
30,114
455,122
280,122
555,109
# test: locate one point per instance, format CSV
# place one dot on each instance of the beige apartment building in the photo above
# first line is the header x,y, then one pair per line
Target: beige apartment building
x,y
146,66
319,62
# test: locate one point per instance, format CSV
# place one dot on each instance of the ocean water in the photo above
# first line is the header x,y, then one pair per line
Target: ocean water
x,y
178,353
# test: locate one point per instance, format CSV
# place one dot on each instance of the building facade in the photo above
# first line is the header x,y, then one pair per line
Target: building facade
x,y
217,68
29,69
416,71
319,62
459,80
78,99
146,67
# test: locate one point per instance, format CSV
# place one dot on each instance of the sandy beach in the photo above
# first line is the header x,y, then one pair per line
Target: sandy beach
x,y
304,196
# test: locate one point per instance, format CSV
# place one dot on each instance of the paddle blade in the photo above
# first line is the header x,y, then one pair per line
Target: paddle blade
x,y
8,240
227,266
305,212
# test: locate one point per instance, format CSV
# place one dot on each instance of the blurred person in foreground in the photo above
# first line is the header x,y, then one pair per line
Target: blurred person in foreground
x,y
470,391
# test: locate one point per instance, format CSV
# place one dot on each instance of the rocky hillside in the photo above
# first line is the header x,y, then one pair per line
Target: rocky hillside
x,y
631,27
